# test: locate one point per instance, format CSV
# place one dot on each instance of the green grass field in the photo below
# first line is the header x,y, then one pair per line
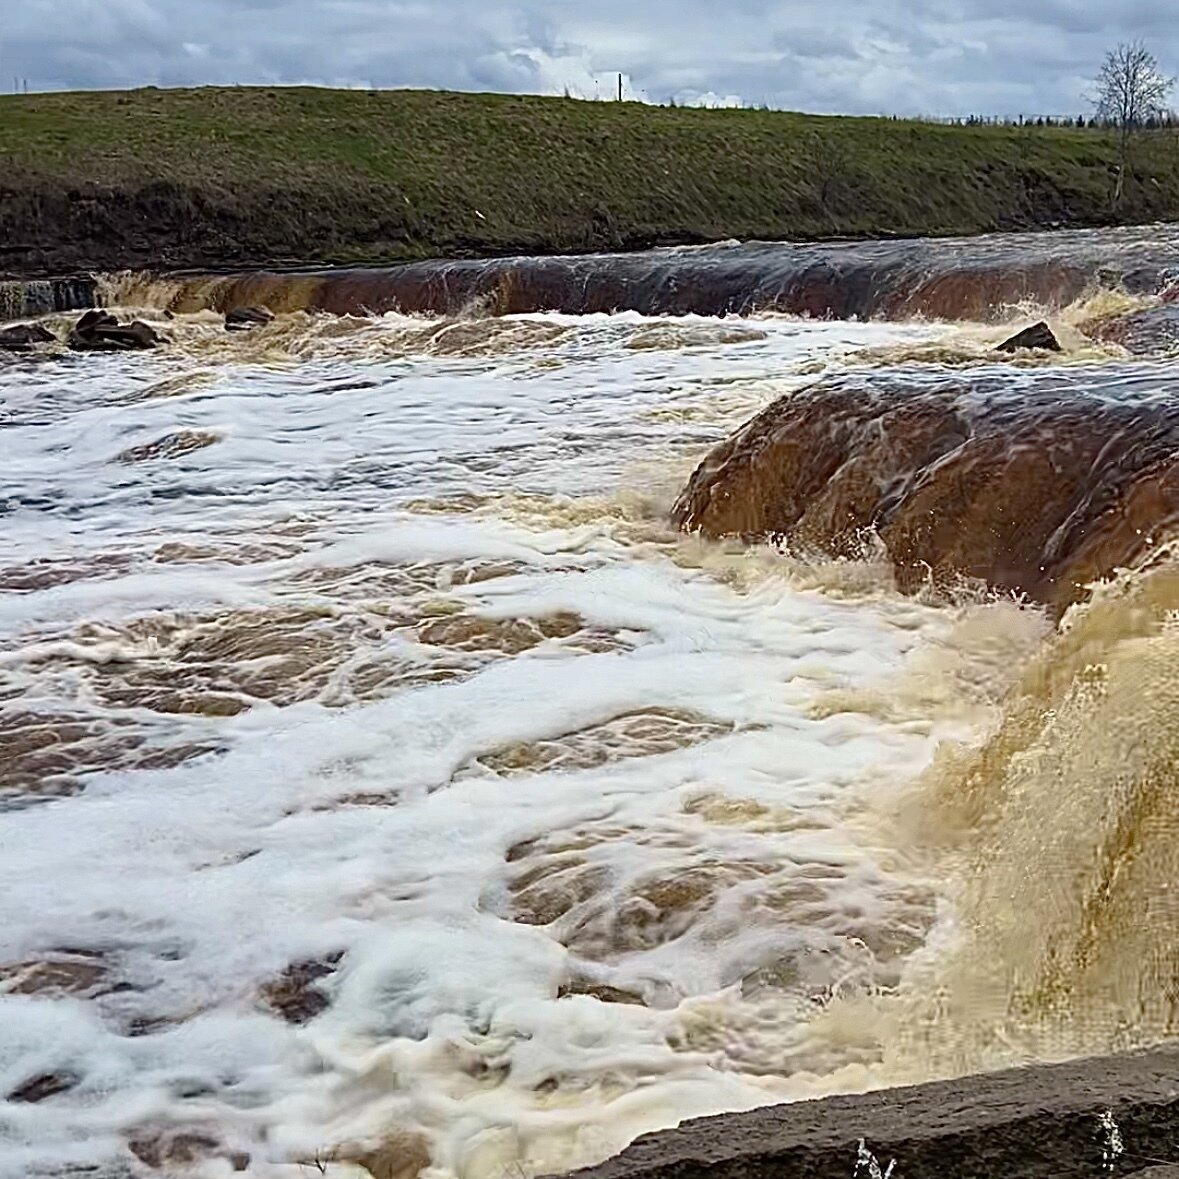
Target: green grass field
x,y
172,178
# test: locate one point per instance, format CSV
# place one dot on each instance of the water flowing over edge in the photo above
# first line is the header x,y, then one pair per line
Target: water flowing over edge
x,y
978,279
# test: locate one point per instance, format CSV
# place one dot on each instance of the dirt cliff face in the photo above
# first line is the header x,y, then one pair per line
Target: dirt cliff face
x,y
1035,484
50,229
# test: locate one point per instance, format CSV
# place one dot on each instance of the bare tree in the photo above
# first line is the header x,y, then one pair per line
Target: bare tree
x,y
1131,91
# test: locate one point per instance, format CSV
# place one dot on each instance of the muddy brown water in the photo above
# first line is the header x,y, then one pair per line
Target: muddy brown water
x,y
386,782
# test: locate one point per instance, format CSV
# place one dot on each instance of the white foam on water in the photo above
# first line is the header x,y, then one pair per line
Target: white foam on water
x,y
423,832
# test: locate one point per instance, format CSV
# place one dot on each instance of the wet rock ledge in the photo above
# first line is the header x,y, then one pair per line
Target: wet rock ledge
x,y
24,300
1108,1116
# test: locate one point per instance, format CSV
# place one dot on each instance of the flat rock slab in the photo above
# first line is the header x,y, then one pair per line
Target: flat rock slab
x,y
1142,333
1043,1122
23,337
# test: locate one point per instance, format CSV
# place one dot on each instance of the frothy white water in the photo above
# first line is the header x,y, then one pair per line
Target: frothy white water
x,y
380,773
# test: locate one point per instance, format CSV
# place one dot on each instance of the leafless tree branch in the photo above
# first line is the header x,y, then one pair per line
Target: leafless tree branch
x,y
1132,91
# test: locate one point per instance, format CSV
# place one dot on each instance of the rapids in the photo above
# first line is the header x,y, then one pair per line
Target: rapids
x,y
977,278
387,788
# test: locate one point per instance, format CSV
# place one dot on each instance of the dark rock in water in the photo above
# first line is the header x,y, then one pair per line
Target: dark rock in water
x,y
169,446
164,1149
602,992
1039,335
43,1087
241,319
93,320
1155,330
72,972
135,335
99,331
295,994
24,337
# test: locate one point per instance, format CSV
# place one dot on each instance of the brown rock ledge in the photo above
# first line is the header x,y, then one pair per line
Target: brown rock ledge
x,y
1028,1123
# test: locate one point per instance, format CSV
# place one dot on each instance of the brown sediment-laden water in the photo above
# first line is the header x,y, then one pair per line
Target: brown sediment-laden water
x,y
976,278
455,744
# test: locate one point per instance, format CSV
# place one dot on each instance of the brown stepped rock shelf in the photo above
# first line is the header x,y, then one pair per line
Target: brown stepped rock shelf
x,y
1112,1116
976,278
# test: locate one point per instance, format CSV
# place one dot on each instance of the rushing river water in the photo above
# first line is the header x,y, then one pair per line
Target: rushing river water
x,y
384,781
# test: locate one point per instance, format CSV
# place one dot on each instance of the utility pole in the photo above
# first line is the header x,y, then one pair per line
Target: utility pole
x,y
619,87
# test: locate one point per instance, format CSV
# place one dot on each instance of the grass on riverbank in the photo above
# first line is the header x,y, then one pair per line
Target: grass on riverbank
x,y
256,175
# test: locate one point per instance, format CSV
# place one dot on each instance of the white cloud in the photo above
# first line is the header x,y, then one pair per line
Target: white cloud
x,y
708,99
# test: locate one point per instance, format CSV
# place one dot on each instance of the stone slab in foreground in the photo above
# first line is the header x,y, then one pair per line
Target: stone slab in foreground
x,y
1031,1123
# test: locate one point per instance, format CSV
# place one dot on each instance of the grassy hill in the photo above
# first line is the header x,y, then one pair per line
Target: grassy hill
x,y
250,176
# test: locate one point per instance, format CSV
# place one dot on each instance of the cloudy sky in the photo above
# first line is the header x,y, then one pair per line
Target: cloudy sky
x,y
947,57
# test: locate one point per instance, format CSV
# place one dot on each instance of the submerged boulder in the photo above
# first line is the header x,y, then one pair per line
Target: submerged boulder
x,y
1154,330
1039,335
242,319
296,994
23,337
1033,489
42,1087
172,1148
99,331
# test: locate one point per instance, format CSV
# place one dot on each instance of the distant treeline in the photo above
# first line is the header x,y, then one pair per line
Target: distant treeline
x,y
1167,122
1153,123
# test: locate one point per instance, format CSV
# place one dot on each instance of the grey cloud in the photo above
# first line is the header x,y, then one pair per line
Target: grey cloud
x,y
890,56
